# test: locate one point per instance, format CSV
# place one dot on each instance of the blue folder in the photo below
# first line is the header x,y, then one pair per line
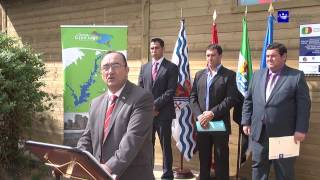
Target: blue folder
x,y
214,126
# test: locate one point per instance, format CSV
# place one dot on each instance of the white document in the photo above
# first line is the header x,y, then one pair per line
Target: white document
x,y
283,147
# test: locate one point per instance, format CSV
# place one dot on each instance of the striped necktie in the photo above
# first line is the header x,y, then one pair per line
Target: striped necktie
x,y
154,71
111,105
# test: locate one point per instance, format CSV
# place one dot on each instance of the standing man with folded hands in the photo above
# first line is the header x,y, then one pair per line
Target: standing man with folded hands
x,y
213,94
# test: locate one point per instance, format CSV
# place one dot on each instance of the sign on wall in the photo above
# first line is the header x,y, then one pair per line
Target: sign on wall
x,y
82,50
309,56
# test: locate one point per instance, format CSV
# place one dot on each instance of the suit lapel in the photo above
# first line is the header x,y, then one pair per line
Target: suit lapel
x,y
102,117
202,83
218,75
149,74
263,84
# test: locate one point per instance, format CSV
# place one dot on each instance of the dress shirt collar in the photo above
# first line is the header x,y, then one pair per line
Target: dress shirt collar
x,y
117,93
159,61
213,73
277,72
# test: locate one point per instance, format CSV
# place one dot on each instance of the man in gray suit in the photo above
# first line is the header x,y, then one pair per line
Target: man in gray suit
x,y
118,133
160,77
277,104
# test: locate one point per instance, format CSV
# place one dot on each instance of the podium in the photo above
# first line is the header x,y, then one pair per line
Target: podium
x,y
69,162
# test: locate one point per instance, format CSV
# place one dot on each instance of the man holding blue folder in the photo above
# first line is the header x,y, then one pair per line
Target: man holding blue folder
x,y
213,94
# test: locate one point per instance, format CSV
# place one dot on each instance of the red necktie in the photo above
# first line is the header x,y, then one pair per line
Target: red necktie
x,y
111,105
154,71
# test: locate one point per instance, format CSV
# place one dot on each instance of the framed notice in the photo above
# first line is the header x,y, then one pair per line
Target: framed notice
x,y
309,55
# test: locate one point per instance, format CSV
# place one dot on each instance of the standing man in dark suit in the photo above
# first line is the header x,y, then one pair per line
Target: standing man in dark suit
x,y
213,95
160,77
277,104
118,133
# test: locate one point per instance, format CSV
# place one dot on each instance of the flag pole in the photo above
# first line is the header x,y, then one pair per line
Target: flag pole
x,y
271,9
214,33
214,40
181,172
240,134
214,16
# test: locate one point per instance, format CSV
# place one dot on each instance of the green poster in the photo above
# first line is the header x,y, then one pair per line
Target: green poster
x,y
82,50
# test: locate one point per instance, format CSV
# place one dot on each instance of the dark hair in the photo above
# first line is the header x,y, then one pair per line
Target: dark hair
x,y
280,47
159,40
121,54
215,46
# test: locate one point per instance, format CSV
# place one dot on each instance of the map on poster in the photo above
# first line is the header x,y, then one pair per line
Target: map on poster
x,y
309,56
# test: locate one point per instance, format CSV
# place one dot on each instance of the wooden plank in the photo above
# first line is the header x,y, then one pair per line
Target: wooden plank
x,y
146,30
132,19
176,5
65,7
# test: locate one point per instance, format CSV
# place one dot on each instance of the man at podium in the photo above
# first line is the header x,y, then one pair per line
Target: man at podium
x,y
119,130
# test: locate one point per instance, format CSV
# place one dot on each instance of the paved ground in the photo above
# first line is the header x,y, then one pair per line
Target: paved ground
x,y
158,172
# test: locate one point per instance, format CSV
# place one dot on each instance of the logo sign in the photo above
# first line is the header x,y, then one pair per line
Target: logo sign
x,y
283,16
306,30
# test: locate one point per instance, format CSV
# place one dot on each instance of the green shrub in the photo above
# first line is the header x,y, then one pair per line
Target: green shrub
x,y
21,99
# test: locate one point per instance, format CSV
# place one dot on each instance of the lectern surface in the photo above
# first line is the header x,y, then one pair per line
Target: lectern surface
x,y
70,162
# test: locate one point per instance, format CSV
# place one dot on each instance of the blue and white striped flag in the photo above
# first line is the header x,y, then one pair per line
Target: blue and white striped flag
x,y
183,126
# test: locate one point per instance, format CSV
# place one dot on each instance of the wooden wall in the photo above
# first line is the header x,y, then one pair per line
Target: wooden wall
x,y
37,22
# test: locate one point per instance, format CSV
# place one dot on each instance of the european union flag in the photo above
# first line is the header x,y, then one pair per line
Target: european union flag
x,y
267,40
283,16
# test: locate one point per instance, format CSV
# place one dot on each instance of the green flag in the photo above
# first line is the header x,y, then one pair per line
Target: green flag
x,y
244,72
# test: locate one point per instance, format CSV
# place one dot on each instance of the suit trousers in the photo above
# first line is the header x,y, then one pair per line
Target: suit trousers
x,y
284,168
220,142
163,129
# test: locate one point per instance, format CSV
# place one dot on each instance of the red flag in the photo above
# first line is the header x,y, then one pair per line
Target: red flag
x,y
214,34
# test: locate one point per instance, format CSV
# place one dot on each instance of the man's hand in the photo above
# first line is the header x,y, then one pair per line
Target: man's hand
x,y
247,130
298,136
208,115
205,118
106,168
155,112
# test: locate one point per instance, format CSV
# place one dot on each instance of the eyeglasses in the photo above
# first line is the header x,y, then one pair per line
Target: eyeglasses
x,y
114,66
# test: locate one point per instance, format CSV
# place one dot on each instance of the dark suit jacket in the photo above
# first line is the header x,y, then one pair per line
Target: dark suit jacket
x,y
223,95
237,109
163,89
287,110
127,149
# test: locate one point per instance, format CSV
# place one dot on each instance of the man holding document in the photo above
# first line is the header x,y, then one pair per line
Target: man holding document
x,y
276,110
213,94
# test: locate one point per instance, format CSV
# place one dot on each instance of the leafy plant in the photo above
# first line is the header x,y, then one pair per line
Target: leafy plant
x,y
21,98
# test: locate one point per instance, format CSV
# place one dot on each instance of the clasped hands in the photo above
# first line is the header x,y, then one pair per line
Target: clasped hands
x,y
205,118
